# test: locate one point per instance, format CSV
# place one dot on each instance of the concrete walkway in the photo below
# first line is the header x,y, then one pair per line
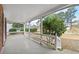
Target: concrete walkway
x,y
19,44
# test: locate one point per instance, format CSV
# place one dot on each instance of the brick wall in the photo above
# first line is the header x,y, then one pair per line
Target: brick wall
x,y
1,26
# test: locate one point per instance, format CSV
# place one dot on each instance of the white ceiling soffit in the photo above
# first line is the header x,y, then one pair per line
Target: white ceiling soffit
x,y
25,12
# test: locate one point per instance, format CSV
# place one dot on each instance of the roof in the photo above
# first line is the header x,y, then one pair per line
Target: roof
x,y
21,13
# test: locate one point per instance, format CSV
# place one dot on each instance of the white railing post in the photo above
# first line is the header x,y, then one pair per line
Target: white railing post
x,y
29,30
24,29
57,42
41,30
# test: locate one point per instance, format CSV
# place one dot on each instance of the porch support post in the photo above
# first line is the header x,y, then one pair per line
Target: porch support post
x,y
57,42
24,29
29,30
41,30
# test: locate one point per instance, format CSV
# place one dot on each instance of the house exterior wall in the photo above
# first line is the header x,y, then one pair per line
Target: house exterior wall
x,y
1,26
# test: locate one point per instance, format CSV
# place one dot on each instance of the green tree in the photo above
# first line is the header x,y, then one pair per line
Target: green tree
x,y
17,25
53,24
68,15
61,15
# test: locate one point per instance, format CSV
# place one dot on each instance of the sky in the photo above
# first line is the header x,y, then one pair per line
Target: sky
x,y
77,12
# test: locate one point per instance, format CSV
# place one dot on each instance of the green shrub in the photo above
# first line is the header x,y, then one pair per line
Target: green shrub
x,y
12,30
26,29
33,30
21,29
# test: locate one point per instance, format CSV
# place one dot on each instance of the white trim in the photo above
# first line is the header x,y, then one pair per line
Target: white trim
x,y
24,29
4,39
29,31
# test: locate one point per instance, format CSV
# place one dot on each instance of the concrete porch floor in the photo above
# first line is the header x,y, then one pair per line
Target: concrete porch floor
x,y
20,44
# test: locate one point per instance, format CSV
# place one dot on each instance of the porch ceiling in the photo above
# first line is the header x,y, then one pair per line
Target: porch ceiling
x,y
25,12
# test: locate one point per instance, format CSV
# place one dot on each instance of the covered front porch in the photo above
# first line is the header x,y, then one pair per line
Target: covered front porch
x,y
31,39
20,44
